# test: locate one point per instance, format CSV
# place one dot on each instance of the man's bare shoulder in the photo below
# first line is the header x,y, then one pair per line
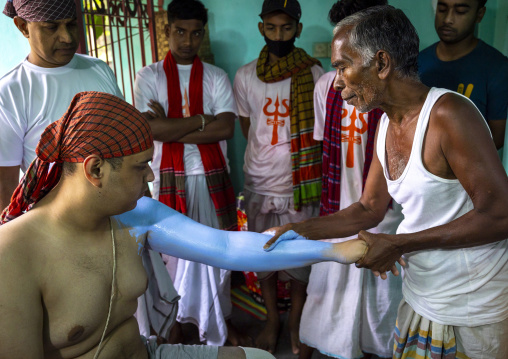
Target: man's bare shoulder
x,y
453,109
20,240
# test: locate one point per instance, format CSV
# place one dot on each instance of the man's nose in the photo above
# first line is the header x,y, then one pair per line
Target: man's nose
x,y
338,83
150,177
65,34
278,34
449,17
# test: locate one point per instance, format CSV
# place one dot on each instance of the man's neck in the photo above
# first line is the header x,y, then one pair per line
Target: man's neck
x,y
406,100
74,214
454,51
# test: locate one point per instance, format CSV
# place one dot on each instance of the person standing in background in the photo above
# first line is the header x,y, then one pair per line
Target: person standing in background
x,y
461,62
38,91
191,110
282,161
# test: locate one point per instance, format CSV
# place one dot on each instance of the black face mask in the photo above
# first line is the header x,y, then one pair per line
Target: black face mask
x,y
280,48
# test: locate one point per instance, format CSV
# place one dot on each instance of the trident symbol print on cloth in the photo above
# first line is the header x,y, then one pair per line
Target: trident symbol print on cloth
x,y
275,122
350,138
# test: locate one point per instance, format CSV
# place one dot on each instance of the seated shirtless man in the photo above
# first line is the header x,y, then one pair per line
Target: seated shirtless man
x,y
70,267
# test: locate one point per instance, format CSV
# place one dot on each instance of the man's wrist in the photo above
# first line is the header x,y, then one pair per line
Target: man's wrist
x,y
203,123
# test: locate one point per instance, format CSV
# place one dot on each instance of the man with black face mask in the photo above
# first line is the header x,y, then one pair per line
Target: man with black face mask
x,y
274,94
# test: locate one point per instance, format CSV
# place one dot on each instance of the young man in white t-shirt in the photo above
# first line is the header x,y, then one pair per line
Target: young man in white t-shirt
x,y
191,110
274,97
38,91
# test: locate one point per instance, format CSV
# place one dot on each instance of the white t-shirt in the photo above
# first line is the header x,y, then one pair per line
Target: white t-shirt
x,y
32,97
267,163
459,287
151,84
354,143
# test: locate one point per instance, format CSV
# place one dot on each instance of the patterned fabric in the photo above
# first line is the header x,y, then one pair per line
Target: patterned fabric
x,y
41,10
418,338
95,123
172,170
332,142
305,151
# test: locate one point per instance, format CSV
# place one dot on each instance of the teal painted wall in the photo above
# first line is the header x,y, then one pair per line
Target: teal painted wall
x,y
14,45
235,40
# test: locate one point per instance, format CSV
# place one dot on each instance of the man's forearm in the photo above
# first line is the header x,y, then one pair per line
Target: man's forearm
x,y
344,223
218,130
173,129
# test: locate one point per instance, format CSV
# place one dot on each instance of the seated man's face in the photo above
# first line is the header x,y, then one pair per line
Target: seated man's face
x,y
185,38
126,184
279,26
52,43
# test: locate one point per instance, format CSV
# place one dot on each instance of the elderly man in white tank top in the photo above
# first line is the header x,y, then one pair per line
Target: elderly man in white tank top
x,y
435,156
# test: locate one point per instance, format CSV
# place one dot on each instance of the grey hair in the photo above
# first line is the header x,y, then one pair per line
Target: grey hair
x,y
384,28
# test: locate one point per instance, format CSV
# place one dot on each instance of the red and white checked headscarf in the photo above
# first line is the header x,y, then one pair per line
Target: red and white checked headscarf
x,y
41,10
95,123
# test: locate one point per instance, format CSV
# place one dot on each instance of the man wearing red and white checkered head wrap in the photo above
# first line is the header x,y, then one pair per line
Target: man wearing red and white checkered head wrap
x,y
95,123
41,10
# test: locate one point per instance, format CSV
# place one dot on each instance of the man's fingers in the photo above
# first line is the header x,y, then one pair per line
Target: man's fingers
x,y
384,276
376,273
401,261
395,271
272,243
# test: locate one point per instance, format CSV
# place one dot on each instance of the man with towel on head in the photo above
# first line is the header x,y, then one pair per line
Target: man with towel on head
x,y
71,268
39,90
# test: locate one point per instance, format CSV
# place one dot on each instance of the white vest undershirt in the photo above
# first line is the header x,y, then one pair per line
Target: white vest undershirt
x,y
460,287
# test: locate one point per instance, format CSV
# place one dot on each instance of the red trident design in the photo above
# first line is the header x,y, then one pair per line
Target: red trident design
x,y
275,122
350,138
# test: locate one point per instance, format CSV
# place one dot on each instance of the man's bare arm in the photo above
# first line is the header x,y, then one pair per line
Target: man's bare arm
x,y
172,129
222,128
364,214
468,150
497,127
9,179
245,124
21,314
153,224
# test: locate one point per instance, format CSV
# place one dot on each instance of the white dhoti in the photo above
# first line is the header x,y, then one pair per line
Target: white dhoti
x,y
204,290
348,310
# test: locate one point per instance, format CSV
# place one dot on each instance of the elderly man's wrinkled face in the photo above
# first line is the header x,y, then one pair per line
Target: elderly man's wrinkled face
x,y
353,78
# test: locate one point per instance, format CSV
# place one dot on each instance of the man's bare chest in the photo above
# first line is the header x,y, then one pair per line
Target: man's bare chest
x,y
77,289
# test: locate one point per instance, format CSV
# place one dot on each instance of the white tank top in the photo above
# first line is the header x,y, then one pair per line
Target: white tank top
x,y
460,287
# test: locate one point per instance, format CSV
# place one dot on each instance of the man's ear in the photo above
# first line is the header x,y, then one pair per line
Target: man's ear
x,y
22,26
480,14
383,63
299,29
93,168
261,29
